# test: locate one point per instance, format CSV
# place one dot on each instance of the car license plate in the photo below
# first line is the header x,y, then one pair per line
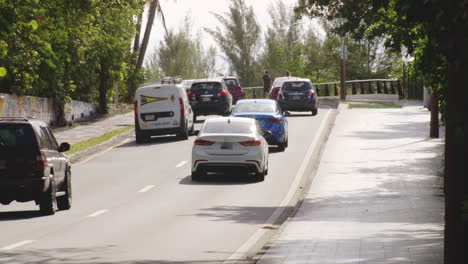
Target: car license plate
x,y
226,146
205,99
150,117
296,97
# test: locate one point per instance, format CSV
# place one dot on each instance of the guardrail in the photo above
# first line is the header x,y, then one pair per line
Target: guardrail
x,y
370,86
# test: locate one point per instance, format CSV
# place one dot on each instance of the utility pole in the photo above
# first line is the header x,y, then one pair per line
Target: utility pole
x,y
343,72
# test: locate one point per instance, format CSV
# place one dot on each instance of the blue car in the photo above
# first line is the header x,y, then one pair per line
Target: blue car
x,y
269,116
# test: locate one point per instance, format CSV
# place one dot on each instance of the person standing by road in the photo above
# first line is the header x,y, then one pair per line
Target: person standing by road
x,y
266,84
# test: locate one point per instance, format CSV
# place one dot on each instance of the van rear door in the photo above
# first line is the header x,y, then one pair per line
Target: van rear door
x,y
158,107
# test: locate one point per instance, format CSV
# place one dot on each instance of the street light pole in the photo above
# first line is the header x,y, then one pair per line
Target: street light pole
x,y
343,73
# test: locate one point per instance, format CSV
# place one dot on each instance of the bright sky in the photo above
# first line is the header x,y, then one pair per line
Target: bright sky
x,y
200,12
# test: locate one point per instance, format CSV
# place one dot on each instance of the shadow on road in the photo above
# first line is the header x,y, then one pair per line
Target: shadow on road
x,y
19,215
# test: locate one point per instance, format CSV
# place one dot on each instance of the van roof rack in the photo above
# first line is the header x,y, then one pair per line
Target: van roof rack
x,y
175,80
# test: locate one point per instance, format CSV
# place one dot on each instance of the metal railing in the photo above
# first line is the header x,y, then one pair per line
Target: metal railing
x,y
370,86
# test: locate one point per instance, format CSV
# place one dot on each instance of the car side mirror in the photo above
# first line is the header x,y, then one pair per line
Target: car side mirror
x,y
267,133
196,132
64,147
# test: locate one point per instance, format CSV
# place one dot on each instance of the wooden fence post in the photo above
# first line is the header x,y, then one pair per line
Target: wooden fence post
x,y
362,88
353,88
327,91
385,90
336,90
379,89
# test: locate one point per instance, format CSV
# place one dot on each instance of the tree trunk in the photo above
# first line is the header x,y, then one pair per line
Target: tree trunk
x,y
105,83
146,37
434,129
456,156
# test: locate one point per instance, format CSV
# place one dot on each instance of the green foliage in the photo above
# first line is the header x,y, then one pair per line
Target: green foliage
x,y
56,48
180,54
239,40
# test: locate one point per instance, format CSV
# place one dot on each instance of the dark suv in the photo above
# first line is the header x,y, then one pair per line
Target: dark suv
x,y
33,166
298,95
210,97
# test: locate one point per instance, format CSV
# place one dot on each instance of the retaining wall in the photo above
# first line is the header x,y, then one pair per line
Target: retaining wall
x,y
43,108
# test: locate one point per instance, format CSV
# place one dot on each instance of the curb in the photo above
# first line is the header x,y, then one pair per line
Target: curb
x,y
253,249
115,140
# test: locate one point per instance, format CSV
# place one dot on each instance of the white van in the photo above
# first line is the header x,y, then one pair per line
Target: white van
x,y
162,109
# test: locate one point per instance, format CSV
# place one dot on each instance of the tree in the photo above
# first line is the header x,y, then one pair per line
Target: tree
x,y
239,40
434,32
180,54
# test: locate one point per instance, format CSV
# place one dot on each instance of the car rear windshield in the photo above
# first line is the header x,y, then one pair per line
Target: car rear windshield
x,y
231,82
17,137
210,87
228,128
296,86
255,107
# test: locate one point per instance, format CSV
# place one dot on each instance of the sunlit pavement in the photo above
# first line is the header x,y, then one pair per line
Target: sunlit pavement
x,y
377,196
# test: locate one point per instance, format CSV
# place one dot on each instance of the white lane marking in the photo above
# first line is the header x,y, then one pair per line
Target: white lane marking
x,y
19,244
147,188
100,212
180,164
240,252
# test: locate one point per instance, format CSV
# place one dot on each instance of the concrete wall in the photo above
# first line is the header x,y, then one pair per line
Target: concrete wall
x,y
43,108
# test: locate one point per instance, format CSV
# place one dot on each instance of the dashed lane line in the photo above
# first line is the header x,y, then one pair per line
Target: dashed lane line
x,y
97,213
16,245
147,188
180,164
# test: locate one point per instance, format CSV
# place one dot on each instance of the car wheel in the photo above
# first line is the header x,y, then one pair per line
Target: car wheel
x,y
315,111
48,201
192,129
286,143
260,176
282,146
64,202
184,134
196,176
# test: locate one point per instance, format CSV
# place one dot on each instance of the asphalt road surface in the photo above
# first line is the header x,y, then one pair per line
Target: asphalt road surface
x,y
137,204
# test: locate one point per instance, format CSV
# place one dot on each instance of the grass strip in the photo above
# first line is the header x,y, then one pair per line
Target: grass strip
x,y
96,140
372,105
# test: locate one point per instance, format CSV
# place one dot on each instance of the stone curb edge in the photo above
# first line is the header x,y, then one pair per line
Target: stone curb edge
x,y
80,155
256,250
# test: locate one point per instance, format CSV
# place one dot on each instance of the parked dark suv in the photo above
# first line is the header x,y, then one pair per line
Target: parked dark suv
x,y
298,95
33,166
210,97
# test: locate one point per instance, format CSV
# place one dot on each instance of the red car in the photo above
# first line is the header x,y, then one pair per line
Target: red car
x,y
234,88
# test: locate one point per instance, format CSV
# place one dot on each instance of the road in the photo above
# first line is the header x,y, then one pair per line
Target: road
x,y
137,204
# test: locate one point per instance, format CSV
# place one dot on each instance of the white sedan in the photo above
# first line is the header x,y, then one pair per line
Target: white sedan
x,y
233,144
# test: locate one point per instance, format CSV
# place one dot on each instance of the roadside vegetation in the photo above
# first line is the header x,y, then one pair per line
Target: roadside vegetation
x,y
96,140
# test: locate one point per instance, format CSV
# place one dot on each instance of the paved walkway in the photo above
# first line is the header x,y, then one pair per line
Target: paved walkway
x,y
95,129
376,197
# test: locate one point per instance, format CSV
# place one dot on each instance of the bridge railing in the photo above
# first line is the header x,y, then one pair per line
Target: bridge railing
x,y
370,86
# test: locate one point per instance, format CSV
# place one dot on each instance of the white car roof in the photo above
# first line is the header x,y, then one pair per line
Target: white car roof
x,y
230,119
208,80
298,80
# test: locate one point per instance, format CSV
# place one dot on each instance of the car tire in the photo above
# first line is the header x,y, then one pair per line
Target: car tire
x,y
64,202
196,176
315,111
140,139
260,176
184,135
282,146
48,201
192,130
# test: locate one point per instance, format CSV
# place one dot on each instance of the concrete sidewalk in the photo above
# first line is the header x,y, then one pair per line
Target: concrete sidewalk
x,y
376,197
96,129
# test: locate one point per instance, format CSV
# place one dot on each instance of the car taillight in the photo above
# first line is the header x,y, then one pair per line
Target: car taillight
x,y
312,94
182,108
280,95
41,161
274,120
135,109
191,95
222,94
254,142
202,142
